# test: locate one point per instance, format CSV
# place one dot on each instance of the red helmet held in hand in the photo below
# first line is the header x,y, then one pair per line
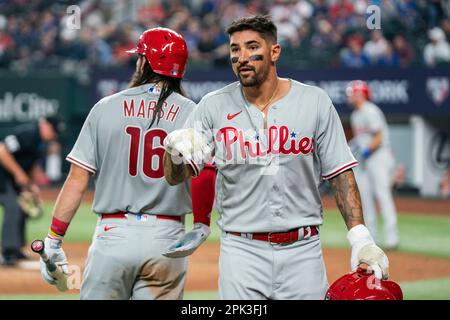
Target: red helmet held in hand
x,y
165,50
361,285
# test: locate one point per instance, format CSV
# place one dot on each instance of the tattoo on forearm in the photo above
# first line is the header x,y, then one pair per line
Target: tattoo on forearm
x,y
347,197
174,174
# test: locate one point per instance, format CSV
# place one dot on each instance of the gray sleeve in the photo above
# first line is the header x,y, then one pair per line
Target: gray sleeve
x,y
84,150
332,148
375,120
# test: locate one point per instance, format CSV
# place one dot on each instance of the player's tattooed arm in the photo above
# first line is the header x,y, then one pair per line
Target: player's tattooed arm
x,y
175,173
347,197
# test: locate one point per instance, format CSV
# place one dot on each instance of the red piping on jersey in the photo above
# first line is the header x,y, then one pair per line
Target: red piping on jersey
x,y
78,162
339,170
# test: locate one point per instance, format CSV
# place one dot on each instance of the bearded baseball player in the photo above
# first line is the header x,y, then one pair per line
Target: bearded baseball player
x,y
140,216
274,140
371,145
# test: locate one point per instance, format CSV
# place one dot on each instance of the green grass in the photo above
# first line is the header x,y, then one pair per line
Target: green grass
x,y
420,234
436,289
80,230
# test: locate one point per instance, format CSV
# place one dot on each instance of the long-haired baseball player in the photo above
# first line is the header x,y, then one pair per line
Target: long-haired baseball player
x,y
274,140
139,214
371,145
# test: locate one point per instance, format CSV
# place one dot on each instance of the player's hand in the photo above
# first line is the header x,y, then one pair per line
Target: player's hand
x,y
365,251
54,251
188,146
360,152
188,243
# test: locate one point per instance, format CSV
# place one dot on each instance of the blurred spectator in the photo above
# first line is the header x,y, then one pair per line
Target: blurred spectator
x,y
404,51
435,12
6,48
34,34
304,9
445,26
438,50
389,58
213,46
376,47
324,44
353,55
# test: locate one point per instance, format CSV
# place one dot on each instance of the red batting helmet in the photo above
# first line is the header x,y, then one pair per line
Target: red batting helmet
x,y
358,85
360,285
165,50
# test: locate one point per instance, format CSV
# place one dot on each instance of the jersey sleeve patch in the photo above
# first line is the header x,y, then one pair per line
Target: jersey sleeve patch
x,y
81,164
339,170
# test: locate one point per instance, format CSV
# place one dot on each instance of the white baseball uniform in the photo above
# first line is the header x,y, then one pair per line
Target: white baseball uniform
x,y
268,181
140,215
374,174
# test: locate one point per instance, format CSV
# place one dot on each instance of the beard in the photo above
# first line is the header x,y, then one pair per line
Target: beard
x,y
254,79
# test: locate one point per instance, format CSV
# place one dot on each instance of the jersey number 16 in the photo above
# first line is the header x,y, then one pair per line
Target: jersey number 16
x,y
149,152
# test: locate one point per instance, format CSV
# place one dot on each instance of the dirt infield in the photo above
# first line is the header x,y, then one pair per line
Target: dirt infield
x,y
202,273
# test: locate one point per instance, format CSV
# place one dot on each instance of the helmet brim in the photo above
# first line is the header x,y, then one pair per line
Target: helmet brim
x,y
134,50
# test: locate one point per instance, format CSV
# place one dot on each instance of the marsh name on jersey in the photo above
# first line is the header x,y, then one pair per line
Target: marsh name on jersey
x,y
145,108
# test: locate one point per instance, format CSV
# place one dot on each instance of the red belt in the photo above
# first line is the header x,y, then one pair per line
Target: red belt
x,y
280,237
123,215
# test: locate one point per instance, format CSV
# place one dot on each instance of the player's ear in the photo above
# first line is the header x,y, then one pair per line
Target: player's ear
x,y
275,52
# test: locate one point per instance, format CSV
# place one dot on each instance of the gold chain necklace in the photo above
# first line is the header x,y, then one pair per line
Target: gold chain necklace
x,y
270,100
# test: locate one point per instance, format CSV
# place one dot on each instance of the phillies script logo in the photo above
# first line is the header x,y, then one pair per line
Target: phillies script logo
x,y
280,141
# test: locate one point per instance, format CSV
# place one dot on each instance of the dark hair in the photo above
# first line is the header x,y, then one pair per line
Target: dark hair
x,y
57,123
169,85
261,24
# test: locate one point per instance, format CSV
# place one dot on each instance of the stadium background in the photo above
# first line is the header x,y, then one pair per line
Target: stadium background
x,y
60,57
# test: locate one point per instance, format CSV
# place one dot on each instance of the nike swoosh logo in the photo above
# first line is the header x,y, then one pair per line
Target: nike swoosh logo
x,y
231,116
108,228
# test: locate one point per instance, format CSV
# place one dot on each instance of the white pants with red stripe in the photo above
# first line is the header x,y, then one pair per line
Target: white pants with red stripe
x,y
374,181
257,270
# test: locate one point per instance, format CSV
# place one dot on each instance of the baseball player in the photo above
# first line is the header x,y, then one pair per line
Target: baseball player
x,y
371,145
19,153
274,141
139,214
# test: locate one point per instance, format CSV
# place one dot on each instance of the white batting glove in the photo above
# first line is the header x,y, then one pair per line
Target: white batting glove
x,y
54,251
188,243
188,146
364,250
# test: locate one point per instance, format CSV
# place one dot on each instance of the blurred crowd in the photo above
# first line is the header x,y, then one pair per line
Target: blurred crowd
x,y
313,33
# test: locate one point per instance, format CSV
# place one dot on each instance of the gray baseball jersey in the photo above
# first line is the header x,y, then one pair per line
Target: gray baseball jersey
x,y
366,122
268,180
127,158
